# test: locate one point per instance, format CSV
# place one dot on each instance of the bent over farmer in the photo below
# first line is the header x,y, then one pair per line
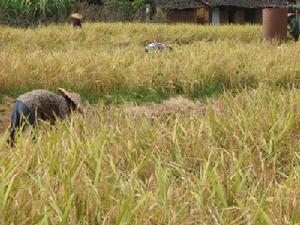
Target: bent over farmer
x,y
76,20
293,26
44,105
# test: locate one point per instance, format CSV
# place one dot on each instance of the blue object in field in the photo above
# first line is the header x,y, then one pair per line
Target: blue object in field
x,y
21,115
156,46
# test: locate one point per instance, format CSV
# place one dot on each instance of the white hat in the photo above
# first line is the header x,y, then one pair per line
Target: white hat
x,y
77,16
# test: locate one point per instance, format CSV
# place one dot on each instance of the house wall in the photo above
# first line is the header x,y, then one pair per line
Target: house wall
x,y
203,15
239,16
220,15
258,16
223,15
182,16
200,15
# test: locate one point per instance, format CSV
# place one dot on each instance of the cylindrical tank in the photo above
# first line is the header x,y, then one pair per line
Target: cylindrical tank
x,y
275,23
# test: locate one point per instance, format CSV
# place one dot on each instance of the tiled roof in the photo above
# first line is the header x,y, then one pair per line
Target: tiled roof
x,y
190,4
247,3
180,4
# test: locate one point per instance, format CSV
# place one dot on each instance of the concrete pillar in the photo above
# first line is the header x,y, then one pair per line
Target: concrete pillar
x,y
223,15
215,17
239,16
148,7
275,23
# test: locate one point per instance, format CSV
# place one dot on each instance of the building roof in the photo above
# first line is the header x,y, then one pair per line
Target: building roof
x,y
191,4
247,3
180,4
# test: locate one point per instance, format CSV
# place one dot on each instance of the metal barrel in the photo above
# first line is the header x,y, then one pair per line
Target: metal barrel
x,y
275,24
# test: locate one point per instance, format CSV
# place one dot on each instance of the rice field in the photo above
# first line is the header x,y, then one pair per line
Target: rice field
x,y
226,152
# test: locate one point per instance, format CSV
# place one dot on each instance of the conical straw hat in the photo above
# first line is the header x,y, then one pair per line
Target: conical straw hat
x,y
77,16
75,98
291,14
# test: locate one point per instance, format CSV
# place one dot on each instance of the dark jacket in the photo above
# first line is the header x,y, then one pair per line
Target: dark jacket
x,y
294,28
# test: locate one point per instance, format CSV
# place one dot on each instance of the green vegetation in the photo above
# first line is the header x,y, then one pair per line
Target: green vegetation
x,y
32,12
24,12
235,161
125,10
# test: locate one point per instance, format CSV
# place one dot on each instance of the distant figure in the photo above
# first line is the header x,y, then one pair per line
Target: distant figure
x,y
96,2
44,105
76,20
293,26
157,46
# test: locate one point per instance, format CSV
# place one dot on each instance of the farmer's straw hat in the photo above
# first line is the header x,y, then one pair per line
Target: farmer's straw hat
x,y
77,16
291,14
75,98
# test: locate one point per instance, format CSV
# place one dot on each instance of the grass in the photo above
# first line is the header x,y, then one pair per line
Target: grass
x,y
235,163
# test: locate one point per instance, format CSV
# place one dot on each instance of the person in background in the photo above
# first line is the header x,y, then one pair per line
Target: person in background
x,y
157,46
293,26
76,20
96,2
42,104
